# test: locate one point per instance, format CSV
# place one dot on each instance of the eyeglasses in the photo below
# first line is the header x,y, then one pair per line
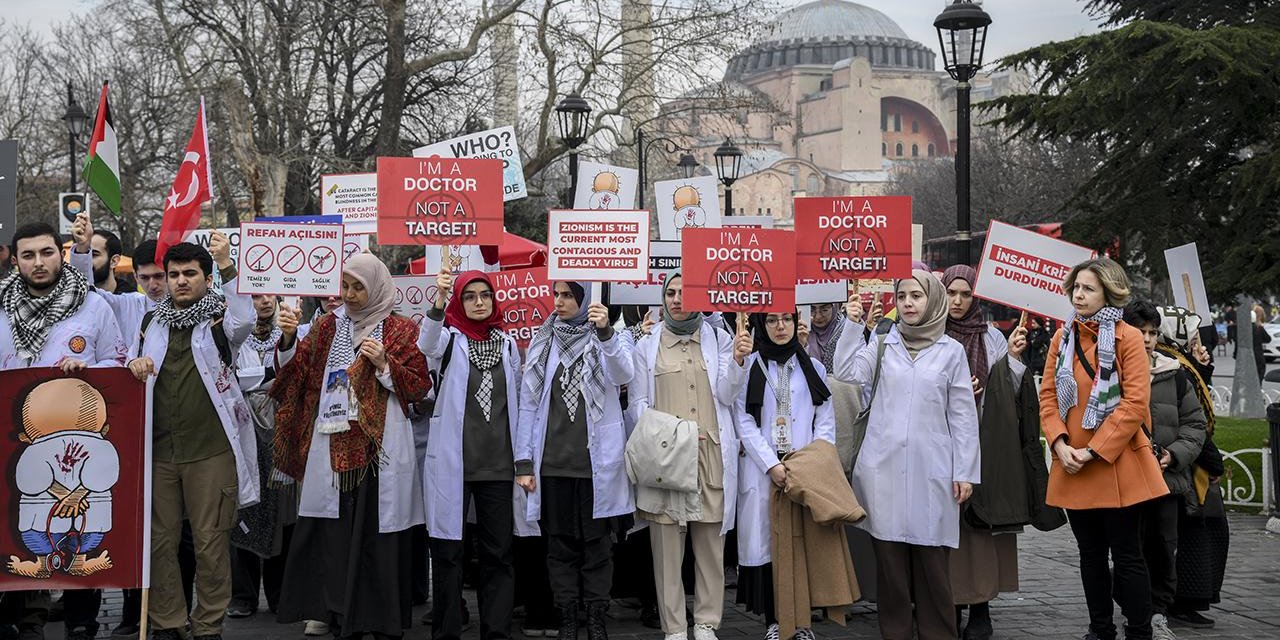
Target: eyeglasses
x,y
780,320
471,296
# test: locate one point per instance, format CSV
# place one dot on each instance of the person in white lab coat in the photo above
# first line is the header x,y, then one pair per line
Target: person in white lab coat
x,y
343,432
569,451
470,452
919,460
96,252
784,407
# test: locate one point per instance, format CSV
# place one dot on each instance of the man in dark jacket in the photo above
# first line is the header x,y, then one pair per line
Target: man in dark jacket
x,y
1177,434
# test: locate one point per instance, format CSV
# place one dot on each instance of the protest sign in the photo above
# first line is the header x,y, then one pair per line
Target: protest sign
x,y
874,292
201,237
354,196
1188,282
853,237
1024,270
85,431
414,295
303,219
601,186
465,257
759,222
497,144
597,246
351,245
290,259
821,291
526,300
917,242
439,201
664,260
739,270
688,203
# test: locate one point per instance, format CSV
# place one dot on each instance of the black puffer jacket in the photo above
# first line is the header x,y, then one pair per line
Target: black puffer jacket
x,y
1178,421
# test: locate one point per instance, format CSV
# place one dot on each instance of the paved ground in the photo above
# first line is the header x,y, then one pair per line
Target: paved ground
x,y
1049,607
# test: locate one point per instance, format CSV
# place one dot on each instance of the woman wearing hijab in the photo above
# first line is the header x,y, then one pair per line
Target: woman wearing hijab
x,y
569,451
986,563
783,408
470,452
343,432
1094,408
693,370
824,332
919,460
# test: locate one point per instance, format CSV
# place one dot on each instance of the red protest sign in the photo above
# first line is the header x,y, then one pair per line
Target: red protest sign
x,y
525,296
424,201
739,270
80,433
853,237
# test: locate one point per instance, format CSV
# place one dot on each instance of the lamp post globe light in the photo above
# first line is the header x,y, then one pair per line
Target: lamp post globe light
x,y
571,118
76,120
962,33
728,165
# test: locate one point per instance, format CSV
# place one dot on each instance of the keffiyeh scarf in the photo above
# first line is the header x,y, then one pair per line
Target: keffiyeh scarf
x,y
484,356
583,372
342,354
264,345
1105,396
211,306
30,317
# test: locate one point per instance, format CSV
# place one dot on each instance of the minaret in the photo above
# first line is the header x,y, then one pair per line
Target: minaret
x,y
638,100
504,56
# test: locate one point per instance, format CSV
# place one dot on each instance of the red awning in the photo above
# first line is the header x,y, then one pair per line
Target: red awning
x,y
515,252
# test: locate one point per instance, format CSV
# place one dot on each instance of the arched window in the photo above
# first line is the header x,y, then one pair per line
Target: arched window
x,y
815,184
899,149
794,170
915,126
884,148
897,122
931,152
915,151
884,120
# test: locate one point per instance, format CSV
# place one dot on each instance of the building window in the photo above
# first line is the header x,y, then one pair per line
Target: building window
x,y
931,151
884,120
899,149
915,126
794,170
897,122
897,56
815,185
884,148
915,151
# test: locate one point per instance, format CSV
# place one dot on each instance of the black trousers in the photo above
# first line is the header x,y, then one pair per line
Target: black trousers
x,y
26,610
907,574
131,610
579,546
1159,548
1115,534
249,572
533,590
80,608
496,587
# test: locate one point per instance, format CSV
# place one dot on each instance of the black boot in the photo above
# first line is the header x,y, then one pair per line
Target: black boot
x,y
979,627
569,621
595,620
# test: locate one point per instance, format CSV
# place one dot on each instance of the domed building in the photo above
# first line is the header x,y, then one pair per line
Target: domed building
x,y
826,103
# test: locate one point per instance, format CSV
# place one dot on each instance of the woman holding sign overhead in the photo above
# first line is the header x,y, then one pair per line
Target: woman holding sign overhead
x,y
569,451
919,459
470,452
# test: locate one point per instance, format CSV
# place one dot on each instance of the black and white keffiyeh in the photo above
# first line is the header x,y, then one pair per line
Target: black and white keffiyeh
x,y
580,355
264,345
484,356
211,306
30,317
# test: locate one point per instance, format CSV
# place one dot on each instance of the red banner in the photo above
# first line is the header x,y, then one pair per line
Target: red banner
x,y
739,270
74,494
526,300
853,237
423,201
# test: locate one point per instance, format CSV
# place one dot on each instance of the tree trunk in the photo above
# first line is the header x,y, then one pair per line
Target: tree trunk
x,y
1246,389
395,80
264,175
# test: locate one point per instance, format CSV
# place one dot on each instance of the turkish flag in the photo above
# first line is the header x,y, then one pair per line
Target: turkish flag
x,y
191,188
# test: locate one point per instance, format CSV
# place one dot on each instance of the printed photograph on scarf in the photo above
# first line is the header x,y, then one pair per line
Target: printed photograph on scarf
x,y
75,496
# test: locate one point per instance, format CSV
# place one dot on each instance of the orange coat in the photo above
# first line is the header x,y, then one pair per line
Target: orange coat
x,y
1125,472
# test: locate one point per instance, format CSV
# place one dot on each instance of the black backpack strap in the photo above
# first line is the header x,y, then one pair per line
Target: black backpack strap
x,y
142,333
220,339
444,361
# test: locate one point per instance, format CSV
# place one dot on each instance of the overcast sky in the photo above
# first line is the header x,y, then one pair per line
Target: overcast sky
x,y
1016,25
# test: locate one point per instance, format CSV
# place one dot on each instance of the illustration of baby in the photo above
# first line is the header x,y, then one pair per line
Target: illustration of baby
x,y
64,477
688,207
604,192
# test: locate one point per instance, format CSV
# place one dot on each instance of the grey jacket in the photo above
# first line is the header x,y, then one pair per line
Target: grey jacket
x,y
1178,423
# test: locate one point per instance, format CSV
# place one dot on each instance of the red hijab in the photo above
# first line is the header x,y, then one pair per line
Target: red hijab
x,y
455,316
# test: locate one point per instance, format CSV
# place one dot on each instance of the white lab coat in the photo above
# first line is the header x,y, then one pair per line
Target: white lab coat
x,y
219,381
90,334
129,306
606,439
727,380
442,471
922,435
808,423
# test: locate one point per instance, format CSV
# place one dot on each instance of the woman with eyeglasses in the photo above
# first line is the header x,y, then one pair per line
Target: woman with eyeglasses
x,y
783,408
470,451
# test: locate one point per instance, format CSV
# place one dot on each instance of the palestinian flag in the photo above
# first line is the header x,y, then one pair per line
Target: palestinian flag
x,y
102,168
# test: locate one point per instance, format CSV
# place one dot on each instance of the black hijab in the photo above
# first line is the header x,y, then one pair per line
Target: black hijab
x,y
779,353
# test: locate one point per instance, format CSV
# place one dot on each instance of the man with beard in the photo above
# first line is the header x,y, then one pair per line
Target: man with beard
x,y
50,320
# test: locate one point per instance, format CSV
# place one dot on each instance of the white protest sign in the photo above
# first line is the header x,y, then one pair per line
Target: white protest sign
x,y
601,186
351,245
686,203
598,246
664,260
354,196
822,291
917,242
1024,270
759,222
201,237
1188,282
466,257
291,259
497,143
414,294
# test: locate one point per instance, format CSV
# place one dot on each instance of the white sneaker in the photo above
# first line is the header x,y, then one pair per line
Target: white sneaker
x,y
316,628
805,634
772,632
1160,628
683,635
704,632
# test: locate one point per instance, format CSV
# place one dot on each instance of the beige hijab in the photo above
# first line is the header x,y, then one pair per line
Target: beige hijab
x,y
376,278
933,325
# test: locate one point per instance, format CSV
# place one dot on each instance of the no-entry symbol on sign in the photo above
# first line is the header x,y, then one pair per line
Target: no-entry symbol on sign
x,y
322,260
290,259
259,258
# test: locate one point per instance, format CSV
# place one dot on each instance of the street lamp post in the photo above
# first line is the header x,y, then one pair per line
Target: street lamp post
x,y
687,164
962,33
571,116
76,120
728,165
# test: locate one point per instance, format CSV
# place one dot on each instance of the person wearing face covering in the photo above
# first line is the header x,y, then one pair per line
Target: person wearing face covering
x,y
783,408
343,433
920,457
569,451
689,368
470,452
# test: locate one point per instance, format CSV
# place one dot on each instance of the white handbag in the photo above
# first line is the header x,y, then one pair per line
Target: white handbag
x,y
662,452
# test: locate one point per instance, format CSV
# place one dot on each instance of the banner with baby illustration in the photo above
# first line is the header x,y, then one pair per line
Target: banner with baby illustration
x,y
76,494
